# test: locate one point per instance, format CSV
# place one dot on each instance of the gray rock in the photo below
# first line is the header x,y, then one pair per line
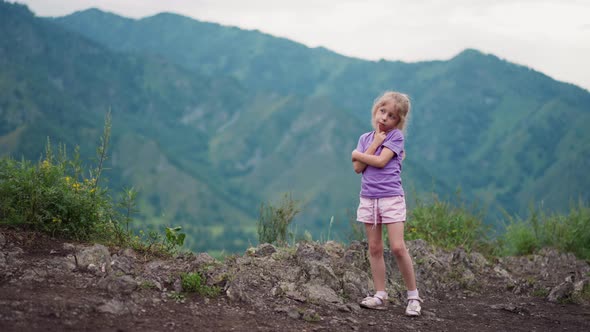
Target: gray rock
x,y
307,252
265,249
2,240
321,272
124,264
561,292
238,292
128,252
3,263
177,285
500,272
37,275
290,290
202,259
93,268
12,256
580,285
97,254
355,283
354,307
428,314
356,255
294,313
311,315
114,307
343,308
123,285
477,261
315,292
352,320
351,291
69,263
334,249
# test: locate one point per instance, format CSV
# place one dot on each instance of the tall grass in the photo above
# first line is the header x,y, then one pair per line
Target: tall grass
x,y
274,220
448,226
569,233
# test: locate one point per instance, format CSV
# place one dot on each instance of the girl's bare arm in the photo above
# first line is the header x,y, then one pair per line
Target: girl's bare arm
x,y
376,161
360,166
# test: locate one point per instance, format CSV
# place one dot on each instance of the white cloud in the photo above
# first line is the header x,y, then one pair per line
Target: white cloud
x,y
550,36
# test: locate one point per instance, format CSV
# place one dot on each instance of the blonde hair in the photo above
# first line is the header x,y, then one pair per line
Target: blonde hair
x,y
402,106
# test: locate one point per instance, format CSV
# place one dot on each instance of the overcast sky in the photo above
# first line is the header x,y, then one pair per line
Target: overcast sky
x,y
550,36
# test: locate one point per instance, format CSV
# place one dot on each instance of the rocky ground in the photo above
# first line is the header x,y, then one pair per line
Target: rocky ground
x,y
51,285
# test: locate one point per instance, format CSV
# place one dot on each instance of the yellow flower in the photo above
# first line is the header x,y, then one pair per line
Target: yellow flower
x,y
56,220
68,179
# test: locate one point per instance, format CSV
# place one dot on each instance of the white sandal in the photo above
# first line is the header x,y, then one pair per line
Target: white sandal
x,y
374,302
413,309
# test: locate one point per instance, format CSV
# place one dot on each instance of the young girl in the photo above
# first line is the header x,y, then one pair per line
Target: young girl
x,y
379,156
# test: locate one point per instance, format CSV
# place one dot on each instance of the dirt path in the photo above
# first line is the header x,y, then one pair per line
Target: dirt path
x,y
33,297
51,309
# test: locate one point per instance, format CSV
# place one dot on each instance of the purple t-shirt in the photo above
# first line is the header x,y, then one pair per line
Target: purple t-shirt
x,y
386,181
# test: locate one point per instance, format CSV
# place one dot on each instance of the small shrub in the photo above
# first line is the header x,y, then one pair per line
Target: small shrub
x,y
178,297
195,283
273,223
59,196
51,196
540,292
520,240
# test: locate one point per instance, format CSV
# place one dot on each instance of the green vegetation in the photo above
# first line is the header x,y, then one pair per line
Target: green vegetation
x,y
274,221
176,296
60,197
55,196
195,283
569,233
448,226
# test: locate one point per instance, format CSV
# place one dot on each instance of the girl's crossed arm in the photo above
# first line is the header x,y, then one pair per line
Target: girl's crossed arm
x,y
376,161
359,165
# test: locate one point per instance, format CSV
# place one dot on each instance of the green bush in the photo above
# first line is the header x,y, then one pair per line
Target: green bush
x,y
447,226
273,223
51,196
60,197
195,283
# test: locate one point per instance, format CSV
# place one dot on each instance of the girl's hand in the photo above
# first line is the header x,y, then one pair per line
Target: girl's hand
x,y
354,154
379,138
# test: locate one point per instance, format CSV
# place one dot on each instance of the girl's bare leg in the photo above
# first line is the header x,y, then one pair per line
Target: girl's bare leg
x,y
376,255
395,233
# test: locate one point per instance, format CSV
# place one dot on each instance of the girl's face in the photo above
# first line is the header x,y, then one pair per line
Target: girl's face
x,y
386,116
